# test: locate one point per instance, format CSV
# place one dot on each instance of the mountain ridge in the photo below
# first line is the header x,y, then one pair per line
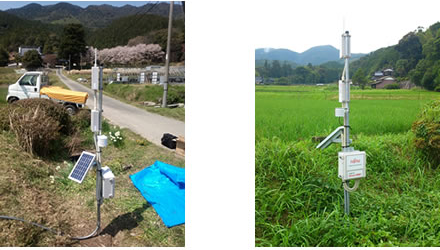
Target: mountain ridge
x,y
315,55
63,12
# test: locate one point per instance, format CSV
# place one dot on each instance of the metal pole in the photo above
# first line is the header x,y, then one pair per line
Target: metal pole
x,y
167,57
346,137
346,201
347,106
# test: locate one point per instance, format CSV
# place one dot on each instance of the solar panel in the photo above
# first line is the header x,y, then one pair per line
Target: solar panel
x,y
82,166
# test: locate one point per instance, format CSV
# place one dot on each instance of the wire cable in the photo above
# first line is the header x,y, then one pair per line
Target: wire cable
x,y
351,189
32,223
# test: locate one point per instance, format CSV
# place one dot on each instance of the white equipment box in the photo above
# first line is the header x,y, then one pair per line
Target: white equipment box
x,y
108,183
352,165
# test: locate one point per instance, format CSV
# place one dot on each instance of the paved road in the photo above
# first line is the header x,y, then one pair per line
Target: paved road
x,y
148,125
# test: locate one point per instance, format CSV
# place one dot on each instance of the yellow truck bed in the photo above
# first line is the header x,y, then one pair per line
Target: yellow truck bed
x,y
64,94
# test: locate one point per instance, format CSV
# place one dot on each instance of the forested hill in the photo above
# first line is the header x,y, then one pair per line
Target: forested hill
x,y
15,32
93,16
134,29
120,31
416,57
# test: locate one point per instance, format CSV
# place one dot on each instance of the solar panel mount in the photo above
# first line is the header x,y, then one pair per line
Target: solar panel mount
x,y
82,166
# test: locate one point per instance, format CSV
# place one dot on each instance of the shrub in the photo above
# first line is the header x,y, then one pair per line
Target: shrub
x,y
36,132
81,119
51,109
32,60
427,132
392,86
176,94
39,125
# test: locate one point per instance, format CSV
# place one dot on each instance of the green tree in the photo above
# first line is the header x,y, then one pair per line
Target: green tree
x,y
72,43
275,70
360,78
282,81
402,67
409,47
416,74
32,60
4,57
286,69
51,44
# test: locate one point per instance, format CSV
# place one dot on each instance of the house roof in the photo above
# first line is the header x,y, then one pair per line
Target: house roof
x,y
385,78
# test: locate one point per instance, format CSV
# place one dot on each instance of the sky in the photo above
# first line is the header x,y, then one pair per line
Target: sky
x,y
4,5
300,25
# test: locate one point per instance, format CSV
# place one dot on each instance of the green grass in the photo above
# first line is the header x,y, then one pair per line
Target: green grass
x,y
3,94
54,80
292,113
299,198
8,76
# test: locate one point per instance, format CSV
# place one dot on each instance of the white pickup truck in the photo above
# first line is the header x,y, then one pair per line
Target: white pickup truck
x,y
34,84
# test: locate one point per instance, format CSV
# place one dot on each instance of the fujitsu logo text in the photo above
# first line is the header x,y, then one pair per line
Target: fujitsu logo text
x,y
355,161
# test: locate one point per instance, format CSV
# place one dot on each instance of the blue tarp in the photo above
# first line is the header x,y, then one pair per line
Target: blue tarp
x,y
163,186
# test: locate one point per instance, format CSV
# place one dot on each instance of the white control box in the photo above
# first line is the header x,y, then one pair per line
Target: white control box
x,y
108,183
352,165
339,112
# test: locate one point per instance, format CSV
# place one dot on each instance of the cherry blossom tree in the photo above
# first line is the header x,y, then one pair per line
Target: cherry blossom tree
x,y
140,54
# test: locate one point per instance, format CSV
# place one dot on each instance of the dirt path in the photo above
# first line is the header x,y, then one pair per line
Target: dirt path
x,y
148,125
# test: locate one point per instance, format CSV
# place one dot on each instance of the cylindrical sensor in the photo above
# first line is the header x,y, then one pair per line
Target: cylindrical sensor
x,y
102,141
345,48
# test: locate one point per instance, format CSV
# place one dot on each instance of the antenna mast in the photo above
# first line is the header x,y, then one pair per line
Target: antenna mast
x,y
351,163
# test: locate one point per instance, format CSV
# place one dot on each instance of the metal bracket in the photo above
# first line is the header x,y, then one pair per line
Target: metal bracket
x,y
335,136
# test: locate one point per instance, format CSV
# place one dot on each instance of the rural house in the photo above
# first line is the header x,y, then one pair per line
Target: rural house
x,y
382,78
24,49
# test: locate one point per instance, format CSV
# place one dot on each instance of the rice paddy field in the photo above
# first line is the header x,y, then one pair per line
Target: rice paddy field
x,y
299,199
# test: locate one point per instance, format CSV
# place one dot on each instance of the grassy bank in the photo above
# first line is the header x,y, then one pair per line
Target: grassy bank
x,y
299,197
8,76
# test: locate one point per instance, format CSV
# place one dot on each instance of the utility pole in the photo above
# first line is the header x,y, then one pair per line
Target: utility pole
x,y
167,57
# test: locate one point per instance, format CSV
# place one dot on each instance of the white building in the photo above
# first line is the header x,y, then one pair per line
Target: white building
x,y
24,49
